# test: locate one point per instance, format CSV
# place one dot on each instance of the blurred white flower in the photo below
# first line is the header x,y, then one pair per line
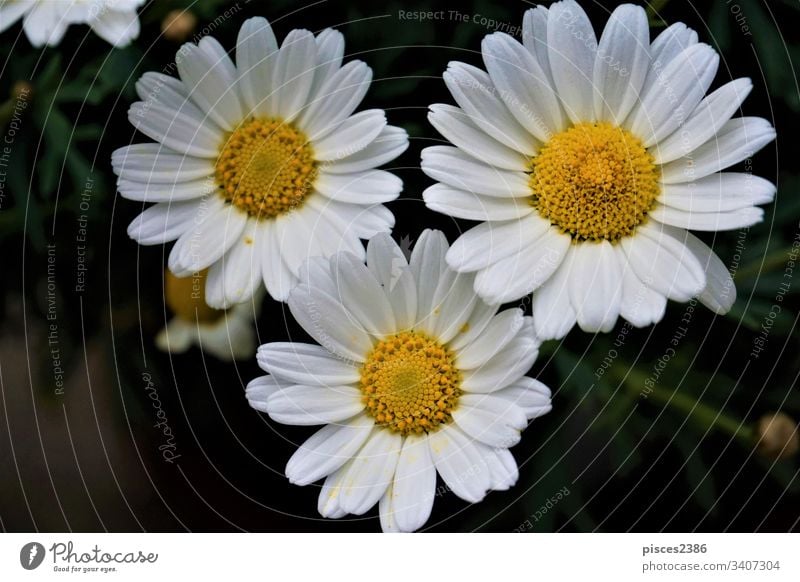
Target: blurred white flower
x,y
227,334
46,21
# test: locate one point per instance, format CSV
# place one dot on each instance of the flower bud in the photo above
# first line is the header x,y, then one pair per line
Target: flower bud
x,y
178,25
777,437
21,91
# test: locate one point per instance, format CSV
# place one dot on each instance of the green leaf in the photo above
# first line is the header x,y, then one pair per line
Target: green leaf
x,y
697,472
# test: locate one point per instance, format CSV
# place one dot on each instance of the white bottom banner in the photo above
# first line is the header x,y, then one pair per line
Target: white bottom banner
x,y
356,557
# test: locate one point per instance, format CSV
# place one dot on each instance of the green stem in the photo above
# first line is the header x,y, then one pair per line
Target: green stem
x,y
702,415
770,261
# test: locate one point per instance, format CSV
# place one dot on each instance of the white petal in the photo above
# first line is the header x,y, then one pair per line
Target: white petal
x,y
338,97
296,237
211,234
176,129
310,405
298,363
328,449
177,337
707,221
328,501
457,127
462,204
261,388
737,140
363,295
720,292
390,143
156,192
706,120
389,266
453,301
474,325
460,463
293,74
386,512
384,256
572,48
596,285
371,472
117,27
256,52
428,266
523,85
153,162
489,242
211,81
553,314
503,470
278,278
164,222
238,271
640,304
501,330
661,260
330,52
504,369
517,275
46,23
364,221
414,486
10,12
329,322
332,231
719,192
622,62
451,166
490,420
368,187
476,95
534,37
673,97
530,395
171,94
233,337
352,136
671,42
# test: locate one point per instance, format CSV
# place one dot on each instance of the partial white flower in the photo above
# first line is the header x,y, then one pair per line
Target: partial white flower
x,y
260,164
414,376
587,162
46,21
228,334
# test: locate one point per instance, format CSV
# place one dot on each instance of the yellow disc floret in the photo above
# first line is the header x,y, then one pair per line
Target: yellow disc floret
x,y
594,181
266,167
410,383
186,298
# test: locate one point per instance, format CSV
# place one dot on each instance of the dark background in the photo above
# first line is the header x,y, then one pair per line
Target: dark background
x,y
88,459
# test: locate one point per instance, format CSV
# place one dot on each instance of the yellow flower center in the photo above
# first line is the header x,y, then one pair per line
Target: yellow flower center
x,y
266,167
594,181
410,383
186,298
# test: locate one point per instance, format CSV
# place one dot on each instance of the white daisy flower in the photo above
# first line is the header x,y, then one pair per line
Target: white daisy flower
x,y
228,334
414,375
261,164
46,21
587,162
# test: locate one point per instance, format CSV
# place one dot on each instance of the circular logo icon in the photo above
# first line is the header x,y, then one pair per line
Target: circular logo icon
x,y
31,555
